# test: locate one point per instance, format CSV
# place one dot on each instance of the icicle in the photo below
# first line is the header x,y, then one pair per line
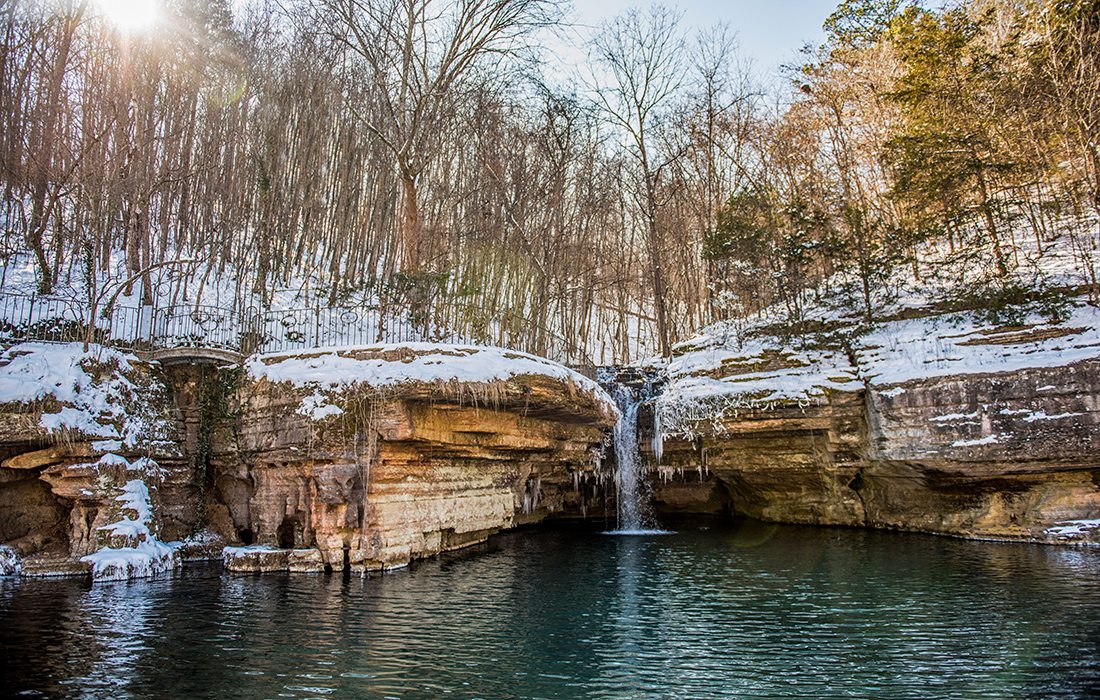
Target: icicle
x,y
658,435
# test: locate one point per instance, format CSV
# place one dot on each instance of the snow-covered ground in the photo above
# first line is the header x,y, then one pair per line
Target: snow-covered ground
x,y
963,343
717,379
716,376
737,365
196,304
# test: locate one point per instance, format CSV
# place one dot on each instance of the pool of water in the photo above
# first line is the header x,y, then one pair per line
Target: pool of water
x,y
753,611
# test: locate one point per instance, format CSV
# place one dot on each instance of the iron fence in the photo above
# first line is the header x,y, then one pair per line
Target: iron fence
x,y
29,317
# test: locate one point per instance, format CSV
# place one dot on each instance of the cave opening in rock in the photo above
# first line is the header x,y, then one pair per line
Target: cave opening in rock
x,y
32,516
284,535
857,482
245,536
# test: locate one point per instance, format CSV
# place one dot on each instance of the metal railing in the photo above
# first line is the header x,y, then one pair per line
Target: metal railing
x,y
28,317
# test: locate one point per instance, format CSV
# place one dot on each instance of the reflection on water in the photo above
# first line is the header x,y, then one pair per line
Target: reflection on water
x,y
759,611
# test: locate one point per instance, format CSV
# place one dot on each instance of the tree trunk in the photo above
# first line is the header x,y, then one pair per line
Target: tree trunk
x,y
410,225
991,224
41,211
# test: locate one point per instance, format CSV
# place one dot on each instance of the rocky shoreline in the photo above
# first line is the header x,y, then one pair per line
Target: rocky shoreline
x,y
369,459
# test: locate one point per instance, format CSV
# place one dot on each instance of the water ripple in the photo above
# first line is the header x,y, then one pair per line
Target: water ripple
x,y
757,612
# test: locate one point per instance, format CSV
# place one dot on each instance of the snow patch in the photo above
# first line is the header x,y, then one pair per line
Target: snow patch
x,y
726,369
317,407
695,400
146,560
953,417
237,552
987,440
336,368
107,405
1073,529
1041,415
953,344
10,562
145,556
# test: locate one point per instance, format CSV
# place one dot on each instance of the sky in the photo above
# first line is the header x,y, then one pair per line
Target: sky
x,y
770,32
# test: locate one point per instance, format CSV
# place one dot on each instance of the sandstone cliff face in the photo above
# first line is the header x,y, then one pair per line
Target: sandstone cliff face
x,y
381,476
304,475
91,422
1009,455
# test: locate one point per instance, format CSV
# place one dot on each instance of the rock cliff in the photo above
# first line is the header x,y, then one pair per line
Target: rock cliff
x,y
360,459
935,426
84,433
330,455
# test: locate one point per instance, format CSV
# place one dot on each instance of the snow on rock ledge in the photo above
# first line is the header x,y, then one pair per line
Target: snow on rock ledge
x,y
721,373
10,563
261,559
404,366
715,379
365,459
133,550
1084,532
93,393
950,423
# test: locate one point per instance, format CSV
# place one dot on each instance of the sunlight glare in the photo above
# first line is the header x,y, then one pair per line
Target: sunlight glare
x,y
130,15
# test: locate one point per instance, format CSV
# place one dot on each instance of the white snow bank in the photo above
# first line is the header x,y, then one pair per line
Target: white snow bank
x,y
937,346
705,384
146,556
106,406
693,396
10,562
148,559
335,368
1073,529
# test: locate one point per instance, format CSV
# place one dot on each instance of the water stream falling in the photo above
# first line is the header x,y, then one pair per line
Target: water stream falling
x,y
634,517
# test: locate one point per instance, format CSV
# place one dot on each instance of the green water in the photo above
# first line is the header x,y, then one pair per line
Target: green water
x,y
756,611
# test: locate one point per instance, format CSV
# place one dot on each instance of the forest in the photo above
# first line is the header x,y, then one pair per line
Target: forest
x,y
428,155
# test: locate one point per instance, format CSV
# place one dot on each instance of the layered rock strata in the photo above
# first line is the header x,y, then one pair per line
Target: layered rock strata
x,y
870,440
375,475
89,425
361,460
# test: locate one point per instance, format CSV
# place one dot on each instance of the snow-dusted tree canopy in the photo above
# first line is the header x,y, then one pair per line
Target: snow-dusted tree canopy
x,y
423,158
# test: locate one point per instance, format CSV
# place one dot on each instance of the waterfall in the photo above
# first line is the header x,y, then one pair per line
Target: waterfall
x,y
631,491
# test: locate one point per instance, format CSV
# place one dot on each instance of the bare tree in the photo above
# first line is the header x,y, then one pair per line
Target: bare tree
x,y
637,76
417,55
